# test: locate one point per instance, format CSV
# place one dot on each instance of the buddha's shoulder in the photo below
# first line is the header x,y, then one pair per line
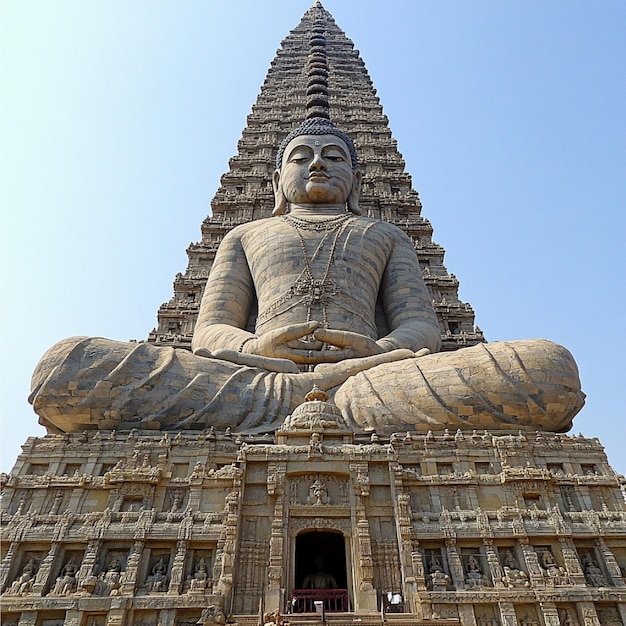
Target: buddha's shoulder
x,y
268,225
254,227
380,227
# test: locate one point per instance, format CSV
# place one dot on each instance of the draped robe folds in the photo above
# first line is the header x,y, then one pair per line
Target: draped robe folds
x,y
93,383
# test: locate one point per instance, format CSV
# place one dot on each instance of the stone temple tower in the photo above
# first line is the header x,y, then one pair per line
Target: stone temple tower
x,y
314,522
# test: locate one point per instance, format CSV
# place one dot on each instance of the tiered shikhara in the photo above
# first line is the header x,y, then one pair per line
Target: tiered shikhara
x,y
480,528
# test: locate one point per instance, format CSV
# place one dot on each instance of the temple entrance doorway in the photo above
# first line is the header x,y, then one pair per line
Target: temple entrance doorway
x,y
320,572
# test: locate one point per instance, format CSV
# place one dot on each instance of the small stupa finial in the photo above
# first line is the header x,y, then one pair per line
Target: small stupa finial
x,y
316,394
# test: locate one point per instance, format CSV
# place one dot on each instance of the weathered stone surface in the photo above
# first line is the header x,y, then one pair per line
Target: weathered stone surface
x,y
124,385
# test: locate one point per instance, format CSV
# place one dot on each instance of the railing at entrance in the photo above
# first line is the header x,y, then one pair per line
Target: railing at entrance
x,y
335,600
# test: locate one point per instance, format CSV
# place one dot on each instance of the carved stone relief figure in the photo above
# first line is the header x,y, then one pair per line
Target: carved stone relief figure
x,y
568,618
110,581
211,616
513,575
593,573
66,583
439,580
474,577
24,583
318,493
200,577
553,573
158,580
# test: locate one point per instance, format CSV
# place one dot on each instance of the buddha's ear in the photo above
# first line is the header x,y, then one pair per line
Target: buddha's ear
x,y
355,193
280,202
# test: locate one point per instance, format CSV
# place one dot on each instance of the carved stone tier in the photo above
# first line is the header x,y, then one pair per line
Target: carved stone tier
x,y
464,528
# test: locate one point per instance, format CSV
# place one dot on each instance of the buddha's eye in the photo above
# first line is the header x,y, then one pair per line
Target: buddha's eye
x,y
335,156
300,156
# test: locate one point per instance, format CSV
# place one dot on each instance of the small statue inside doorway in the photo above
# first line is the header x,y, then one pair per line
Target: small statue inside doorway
x,y
319,579
66,583
593,573
474,577
200,576
513,575
440,581
159,576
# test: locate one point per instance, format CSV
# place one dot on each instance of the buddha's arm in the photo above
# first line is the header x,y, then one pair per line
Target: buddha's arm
x,y
228,295
407,302
220,328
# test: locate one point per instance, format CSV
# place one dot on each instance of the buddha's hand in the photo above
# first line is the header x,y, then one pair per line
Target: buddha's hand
x,y
294,342
346,345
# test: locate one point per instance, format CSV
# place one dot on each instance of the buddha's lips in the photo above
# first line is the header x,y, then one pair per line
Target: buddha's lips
x,y
317,178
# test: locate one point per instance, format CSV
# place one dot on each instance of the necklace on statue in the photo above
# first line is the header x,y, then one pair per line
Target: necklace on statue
x,y
317,292
317,225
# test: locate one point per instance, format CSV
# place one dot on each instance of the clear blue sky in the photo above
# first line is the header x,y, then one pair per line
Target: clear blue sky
x,y
118,119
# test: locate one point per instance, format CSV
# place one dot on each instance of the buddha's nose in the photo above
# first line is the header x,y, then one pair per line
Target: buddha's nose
x,y
317,163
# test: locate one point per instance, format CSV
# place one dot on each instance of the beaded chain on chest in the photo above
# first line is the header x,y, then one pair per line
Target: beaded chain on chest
x,y
317,292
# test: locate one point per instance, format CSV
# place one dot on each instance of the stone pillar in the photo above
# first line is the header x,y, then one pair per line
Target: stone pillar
x,y
403,515
589,615
115,616
28,618
535,573
85,575
278,539
44,572
550,614
419,571
466,615
7,563
612,565
365,594
166,617
507,614
497,574
227,546
178,567
571,562
132,567
73,618
455,565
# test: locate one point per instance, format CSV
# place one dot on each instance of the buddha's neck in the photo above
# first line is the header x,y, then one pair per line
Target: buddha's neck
x,y
316,210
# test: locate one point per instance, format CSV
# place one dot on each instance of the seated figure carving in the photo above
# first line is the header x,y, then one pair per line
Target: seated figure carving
x,y
341,304
24,582
319,579
66,583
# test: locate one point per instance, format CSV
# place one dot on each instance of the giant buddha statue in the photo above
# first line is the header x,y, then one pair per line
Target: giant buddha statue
x,y
341,305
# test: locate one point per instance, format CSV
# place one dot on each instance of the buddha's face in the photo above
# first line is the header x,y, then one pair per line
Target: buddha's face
x,y
317,169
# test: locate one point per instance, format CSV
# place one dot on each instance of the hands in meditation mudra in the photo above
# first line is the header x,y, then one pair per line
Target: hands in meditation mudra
x,y
341,304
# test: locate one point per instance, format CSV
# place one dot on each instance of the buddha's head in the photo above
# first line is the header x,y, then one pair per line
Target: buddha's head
x,y
317,164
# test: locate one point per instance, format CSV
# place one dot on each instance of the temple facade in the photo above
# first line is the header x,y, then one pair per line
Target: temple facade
x,y
313,523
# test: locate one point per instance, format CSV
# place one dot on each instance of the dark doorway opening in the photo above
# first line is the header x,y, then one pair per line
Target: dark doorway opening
x,y
325,549
320,573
